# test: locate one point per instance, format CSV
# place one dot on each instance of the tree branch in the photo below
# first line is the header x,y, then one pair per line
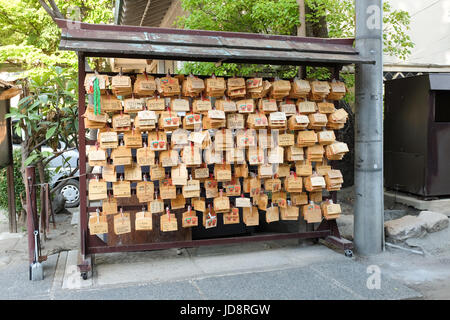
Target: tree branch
x,y
62,182
58,13
47,8
56,155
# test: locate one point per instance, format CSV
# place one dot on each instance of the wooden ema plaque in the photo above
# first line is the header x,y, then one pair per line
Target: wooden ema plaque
x,y
146,236
226,105
210,219
156,104
167,191
263,201
190,219
133,139
109,206
133,172
211,188
97,157
145,191
179,175
133,105
156,206
145,156
122,189
221,204
246,106
157,173
121,156
97,189
168,223
289,213
178,203
272,214
199,204
122,223
121,122
191,189
331,211
98,224
157,141
110,103
108,139
251,216
144,220
109,173
202,105
268,105
312,213
254,130
179,105
231,217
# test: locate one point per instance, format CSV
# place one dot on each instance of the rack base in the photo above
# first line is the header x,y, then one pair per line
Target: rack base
x,y
327,230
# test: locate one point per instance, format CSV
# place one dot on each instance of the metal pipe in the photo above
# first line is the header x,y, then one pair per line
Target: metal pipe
x,y
82,149
369,204
32,224
391,245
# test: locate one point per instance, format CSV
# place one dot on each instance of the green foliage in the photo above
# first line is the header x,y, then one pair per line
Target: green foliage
x,y
49,115
256,16
340,17
29,38
396,23
19,187
233,69
282,17
29,41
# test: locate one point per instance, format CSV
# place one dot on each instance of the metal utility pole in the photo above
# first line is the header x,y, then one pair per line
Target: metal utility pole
x,y
369,205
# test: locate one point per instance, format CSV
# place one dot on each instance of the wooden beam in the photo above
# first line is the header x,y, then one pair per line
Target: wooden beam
x,y
55,8
11,199
47,8
10,93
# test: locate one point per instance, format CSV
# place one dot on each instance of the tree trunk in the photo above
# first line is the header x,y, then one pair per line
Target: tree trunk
x,y
316,29
301,30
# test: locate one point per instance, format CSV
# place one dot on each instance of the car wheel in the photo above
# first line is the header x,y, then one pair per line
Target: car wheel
x,y
71,193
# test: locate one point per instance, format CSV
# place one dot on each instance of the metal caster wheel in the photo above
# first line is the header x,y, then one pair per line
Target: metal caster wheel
x,y
348,253
84,275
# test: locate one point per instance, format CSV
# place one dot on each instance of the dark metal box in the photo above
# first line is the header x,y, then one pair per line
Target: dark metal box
x,y
417,135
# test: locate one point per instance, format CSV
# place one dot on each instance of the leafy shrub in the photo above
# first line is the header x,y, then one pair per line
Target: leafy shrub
x,y
18,183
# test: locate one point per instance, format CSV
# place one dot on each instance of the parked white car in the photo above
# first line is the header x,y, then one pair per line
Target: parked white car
x,y
67,161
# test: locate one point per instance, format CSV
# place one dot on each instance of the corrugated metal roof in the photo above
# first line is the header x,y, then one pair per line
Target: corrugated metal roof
x,y
198,45
6,84
8,90
141,12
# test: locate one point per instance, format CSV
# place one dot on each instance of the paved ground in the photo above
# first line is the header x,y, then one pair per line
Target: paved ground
x,y
273,270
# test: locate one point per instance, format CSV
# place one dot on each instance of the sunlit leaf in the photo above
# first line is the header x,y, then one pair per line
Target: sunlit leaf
x,y
50,132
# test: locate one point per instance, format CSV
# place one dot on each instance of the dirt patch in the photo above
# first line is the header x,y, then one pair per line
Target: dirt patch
x,y
14,246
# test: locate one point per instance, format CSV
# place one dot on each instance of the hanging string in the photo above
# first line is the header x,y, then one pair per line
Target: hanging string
x,y
96,96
